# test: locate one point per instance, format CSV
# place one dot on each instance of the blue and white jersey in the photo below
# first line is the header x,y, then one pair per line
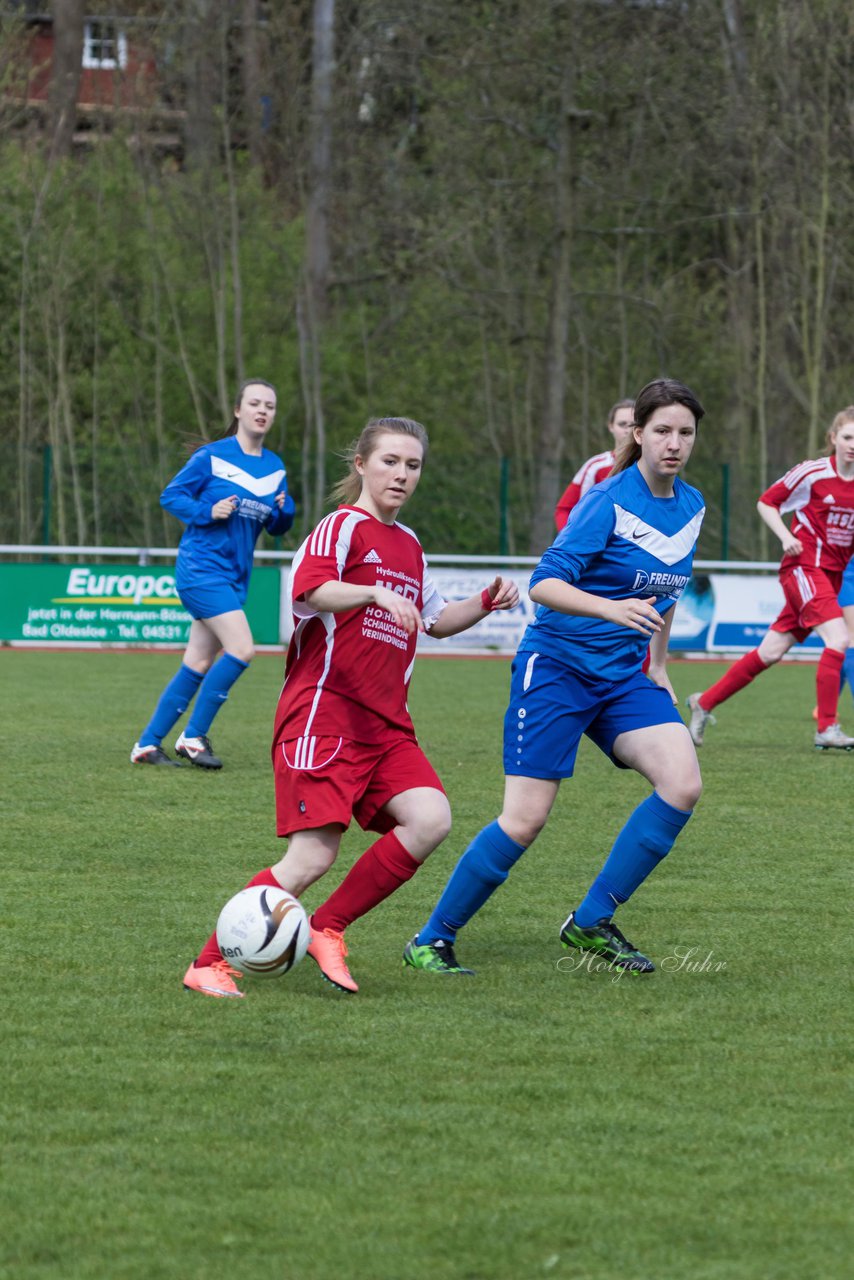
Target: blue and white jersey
x,y
223,549
620,543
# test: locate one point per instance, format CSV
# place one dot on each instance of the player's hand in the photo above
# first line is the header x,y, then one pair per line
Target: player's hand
x,y
659,676
224,508
279,499
637,615
503,593
792,546
402,610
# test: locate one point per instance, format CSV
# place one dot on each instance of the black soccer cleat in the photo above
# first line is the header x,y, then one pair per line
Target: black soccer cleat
x,y
198,751
604,939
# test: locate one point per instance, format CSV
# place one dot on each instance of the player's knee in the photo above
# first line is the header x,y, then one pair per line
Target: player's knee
x,y
683,792
243,652
523,827
437,826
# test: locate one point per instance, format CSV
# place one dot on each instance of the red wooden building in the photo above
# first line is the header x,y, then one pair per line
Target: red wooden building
x,y
119,81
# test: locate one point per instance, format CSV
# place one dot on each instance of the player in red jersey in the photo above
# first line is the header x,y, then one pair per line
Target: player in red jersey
x,y
620,419
816,550
344,745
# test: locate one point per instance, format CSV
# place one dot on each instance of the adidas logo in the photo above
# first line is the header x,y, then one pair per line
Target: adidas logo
x,y
372,558
830,498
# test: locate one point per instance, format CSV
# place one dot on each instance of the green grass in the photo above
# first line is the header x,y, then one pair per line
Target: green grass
x,y
536,1120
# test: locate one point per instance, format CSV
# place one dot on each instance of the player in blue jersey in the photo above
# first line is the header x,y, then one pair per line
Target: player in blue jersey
x,y
605,590
228,491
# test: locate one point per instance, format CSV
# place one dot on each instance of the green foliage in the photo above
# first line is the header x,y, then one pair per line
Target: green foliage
x,y
538,1119
706,214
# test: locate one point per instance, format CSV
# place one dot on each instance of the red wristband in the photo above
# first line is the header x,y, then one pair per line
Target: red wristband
x,y
486,601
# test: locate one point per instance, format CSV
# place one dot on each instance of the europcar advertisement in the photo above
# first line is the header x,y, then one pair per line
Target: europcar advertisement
x,y
113,604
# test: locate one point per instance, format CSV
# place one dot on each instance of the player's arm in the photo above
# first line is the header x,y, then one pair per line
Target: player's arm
x,y
566,502
459,615
658,646
563,597
181,497
335,596
792,546
281,517
563,564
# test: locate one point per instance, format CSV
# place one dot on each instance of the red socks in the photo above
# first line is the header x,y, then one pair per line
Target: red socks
x,y
210,952
380,870
827,686
740,674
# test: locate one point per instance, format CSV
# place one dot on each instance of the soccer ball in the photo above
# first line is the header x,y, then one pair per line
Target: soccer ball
x,y
263,930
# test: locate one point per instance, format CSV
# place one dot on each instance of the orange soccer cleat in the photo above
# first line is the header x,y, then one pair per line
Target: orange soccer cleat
x,y
216,979
328,950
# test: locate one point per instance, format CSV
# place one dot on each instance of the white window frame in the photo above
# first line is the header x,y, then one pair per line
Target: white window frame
x,y
92,60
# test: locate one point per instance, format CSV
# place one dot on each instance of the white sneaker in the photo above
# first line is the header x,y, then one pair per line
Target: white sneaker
x,y
198,751
699,719
833,736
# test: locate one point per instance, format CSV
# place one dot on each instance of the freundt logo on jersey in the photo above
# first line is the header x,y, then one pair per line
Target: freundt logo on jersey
x,y
660,584
98,587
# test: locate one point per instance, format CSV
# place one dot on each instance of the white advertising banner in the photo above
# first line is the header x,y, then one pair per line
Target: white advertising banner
x,y
728,612
499,632
718,613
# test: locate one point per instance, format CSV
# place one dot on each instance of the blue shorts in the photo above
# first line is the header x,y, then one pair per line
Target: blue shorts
x,y
846,591
551,707
209,597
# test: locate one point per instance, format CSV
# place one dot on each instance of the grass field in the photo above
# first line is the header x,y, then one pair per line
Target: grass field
x,y
537,1120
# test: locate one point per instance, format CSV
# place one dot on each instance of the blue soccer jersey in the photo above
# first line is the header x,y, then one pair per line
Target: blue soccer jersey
x,y
620,543
223,549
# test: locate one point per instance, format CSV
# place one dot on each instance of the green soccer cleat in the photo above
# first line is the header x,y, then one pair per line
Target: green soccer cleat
x,y
434,957
605,939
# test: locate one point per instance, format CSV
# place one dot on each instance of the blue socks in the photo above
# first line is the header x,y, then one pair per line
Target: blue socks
x,y
485,865
647,837
213,693
174,700
179,693
848,671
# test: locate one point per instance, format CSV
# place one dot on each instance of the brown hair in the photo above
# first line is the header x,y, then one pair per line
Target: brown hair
x,y
655,395
842,419
348,489
615,409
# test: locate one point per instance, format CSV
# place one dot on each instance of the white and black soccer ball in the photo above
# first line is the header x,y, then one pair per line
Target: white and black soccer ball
x,y
263,930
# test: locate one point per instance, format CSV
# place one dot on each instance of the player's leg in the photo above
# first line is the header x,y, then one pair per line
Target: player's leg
x,y
775,644
202,648
829,733
421,819
662,752
403,799
483,868
230,633
548,712
309,855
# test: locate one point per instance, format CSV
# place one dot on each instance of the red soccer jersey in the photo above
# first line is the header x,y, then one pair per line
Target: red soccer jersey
x,y
347,674
823,504
594,470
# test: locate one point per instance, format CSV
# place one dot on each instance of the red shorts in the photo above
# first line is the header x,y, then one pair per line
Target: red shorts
x,y
811,599
331,780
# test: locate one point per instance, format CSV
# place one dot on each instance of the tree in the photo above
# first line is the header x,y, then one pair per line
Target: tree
x,y
66,66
